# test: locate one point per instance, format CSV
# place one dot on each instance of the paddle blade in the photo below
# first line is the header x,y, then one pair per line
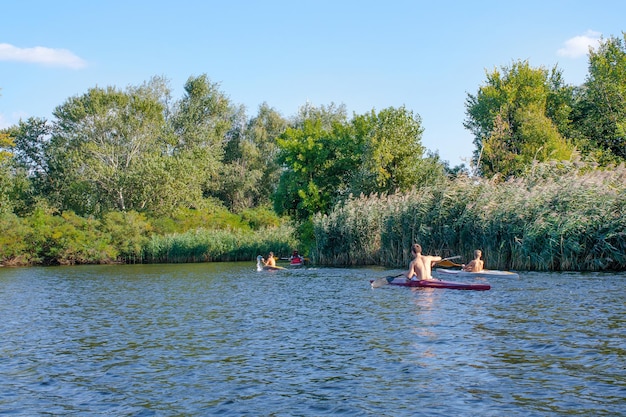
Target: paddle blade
x,y
379,282
447,263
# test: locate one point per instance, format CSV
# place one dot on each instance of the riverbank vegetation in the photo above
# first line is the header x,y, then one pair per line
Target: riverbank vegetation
x,y
558,217
48,238
134,175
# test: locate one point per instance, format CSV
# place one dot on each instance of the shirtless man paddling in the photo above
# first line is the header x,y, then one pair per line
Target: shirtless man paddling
x,y
421,265
476,264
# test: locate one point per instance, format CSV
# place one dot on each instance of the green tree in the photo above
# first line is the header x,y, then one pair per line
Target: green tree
x,y
600,113
6,144
309,184
309,152
237,179
390,151
29,178
250,173
262,132
201,123
520,115
106,149
328,158
31,138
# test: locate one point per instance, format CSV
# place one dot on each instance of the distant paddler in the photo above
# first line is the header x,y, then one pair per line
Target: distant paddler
x,y
476,264
269,264
296,259
271,261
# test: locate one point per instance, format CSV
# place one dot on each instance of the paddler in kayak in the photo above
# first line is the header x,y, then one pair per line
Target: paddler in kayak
x,y
271,261
296,258
476,264
421,265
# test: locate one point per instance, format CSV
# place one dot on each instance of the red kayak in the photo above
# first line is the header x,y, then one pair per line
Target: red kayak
x,y
426,283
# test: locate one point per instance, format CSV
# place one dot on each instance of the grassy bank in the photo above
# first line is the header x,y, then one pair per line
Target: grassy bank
x,y
46,238
204,245
557,218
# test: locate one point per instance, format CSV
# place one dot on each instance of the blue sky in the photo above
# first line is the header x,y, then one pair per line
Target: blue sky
x,y
424,55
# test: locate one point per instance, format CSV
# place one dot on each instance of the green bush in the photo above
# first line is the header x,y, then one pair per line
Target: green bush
x,y
14,248
214,216
129,232
212,234
69,239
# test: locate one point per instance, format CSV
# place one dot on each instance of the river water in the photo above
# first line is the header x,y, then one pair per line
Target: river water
x,y
223,339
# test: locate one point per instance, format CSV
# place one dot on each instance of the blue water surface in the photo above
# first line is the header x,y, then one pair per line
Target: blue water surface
x,y
223,339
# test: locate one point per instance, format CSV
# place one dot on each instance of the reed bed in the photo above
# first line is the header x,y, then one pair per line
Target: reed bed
x,y
203,245
557,218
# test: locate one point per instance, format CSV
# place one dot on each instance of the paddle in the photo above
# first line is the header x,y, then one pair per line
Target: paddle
x,y
379,282
446,262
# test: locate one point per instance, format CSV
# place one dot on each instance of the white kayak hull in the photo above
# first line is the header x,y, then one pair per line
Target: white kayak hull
x,y
486,273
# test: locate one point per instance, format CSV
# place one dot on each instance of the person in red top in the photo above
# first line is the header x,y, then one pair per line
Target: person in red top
x,y
296,259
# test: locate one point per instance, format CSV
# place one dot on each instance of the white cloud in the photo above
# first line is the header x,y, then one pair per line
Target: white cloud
x,y
4,123
41,55
579,45
8,120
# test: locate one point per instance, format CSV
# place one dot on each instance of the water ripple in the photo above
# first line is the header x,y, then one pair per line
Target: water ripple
x,y
223,339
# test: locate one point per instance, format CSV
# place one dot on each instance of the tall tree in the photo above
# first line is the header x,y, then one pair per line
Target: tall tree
x,y
105,151
201,123
313,154
28,173
251,171
31,155
391,151
310,155
601,111
6,144
263,131
327,158
519,116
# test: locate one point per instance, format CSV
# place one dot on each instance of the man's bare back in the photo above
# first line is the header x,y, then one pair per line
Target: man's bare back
x,y
421,265
476,264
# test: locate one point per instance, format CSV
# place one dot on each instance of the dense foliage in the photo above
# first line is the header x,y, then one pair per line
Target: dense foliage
x,y
47,238
524,114
600,112
519,117
135,176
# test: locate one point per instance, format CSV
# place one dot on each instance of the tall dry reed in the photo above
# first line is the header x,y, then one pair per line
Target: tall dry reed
x,y
202,245
557,218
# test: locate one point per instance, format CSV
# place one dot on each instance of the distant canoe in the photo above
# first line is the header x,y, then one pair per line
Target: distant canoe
x,y
272,268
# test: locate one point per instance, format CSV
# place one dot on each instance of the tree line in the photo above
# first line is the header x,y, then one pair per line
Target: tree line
x,y
523,114
137,150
